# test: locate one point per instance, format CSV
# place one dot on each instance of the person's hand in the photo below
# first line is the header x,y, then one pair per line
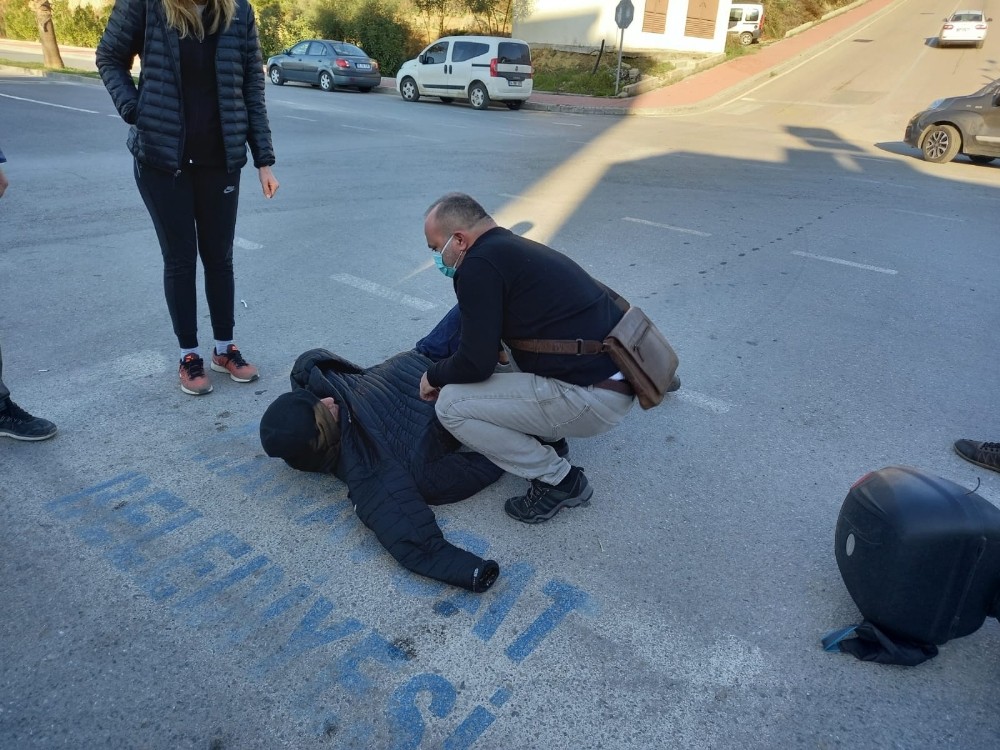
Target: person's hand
x,y
427,391
3,183
268,181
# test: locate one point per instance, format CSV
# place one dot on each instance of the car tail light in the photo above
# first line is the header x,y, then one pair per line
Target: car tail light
x,y
493,68
980,26
948,26
342,63
374,64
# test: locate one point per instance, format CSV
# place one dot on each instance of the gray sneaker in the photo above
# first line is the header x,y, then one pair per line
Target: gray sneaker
x,y
16,423
545,500
986,455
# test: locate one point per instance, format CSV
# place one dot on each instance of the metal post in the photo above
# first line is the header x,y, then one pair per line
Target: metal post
x,y
618,76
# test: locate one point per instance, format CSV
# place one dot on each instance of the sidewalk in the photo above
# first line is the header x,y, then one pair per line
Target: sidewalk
x,y
726,80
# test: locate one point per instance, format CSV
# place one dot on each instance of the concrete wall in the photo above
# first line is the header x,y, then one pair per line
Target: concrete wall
x,y
585,23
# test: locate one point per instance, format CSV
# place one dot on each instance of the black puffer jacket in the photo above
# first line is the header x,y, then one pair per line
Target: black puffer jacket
x,y
397,459
155,108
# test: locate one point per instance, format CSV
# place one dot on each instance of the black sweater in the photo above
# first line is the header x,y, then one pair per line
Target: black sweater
x,y
509,287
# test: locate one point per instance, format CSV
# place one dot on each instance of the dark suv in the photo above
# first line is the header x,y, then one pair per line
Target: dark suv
x,y
967,125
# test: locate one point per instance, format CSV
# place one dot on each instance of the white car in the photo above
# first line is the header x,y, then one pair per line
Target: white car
x,y
964,27
481,69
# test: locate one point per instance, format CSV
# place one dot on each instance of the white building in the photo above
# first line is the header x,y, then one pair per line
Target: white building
x,y
683,25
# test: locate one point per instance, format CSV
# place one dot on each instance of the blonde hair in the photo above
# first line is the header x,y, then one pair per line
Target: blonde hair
x,y
184,16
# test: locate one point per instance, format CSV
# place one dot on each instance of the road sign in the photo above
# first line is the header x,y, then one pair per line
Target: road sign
x,y
624,14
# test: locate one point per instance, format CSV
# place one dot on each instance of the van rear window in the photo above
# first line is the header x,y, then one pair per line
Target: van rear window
x,y
468,50
512,53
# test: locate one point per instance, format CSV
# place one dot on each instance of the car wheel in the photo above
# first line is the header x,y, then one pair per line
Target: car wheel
x,y
940,144
977,159
478,96
365,89
326,81
275,75
515,105
746,38
408,90
447,99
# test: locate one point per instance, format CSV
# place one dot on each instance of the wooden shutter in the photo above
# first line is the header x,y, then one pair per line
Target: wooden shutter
x,y
654,16
701,18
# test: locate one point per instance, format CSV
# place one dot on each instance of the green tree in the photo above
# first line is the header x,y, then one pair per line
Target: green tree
x,y
492,16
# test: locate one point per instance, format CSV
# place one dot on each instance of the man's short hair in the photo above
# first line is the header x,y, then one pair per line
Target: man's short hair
x,y
299,428
456,211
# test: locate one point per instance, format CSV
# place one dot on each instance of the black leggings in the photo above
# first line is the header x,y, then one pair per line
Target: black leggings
x,y
194,213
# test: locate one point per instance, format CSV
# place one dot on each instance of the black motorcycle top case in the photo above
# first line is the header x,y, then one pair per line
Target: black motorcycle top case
x,y
920,555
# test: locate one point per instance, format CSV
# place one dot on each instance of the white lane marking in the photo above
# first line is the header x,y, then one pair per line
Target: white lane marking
x,y
795,103
714,405
841,261
304,119
882,182
358,127
422,138
246,244
378,290
514,197
929,216
666,226
49,104
567,124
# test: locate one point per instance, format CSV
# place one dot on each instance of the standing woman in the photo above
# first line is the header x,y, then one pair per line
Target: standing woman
x,y
198,105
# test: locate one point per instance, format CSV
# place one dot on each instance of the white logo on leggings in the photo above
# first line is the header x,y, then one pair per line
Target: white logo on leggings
x,y
229,189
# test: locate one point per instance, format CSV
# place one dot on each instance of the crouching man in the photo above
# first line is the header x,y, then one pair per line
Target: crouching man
x,y
368,427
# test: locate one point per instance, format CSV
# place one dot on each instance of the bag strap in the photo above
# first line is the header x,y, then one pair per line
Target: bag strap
x,y
569,346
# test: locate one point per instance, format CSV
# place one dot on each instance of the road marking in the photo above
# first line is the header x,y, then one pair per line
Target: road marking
x,y
304,119
567,124
514,197
378,290
882,182
841,261
49,104
666,226
796,103
422,138
246,244
714,405
929,216
358,127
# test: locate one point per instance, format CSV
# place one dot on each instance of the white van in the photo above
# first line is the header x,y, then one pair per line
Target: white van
x,y
478,68
747,20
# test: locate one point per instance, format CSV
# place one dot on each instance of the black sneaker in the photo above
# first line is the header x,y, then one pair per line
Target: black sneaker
x,y
16,423
560,446
986,455
545,500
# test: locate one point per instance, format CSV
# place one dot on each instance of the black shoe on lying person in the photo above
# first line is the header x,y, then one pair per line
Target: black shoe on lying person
x,y
545,500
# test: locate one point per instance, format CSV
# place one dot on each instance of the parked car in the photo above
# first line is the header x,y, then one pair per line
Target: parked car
x,y
481,69
967,125
964,27
746,20
325,63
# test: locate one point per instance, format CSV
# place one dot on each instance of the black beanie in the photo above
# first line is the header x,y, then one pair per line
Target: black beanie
x,y
288,430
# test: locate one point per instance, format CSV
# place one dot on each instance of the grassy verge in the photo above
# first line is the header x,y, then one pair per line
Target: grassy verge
x,y
574,73
577,73
39,66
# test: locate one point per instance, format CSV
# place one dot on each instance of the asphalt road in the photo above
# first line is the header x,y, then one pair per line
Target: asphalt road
x,y
831,297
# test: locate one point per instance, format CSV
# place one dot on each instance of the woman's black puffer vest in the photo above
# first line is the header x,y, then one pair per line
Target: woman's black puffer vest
x,y
155,108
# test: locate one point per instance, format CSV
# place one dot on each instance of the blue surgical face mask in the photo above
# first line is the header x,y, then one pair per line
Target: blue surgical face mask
x,y
448,271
